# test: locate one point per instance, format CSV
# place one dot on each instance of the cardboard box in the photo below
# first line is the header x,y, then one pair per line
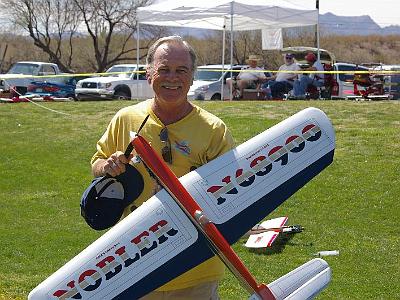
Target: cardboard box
x,y
253,95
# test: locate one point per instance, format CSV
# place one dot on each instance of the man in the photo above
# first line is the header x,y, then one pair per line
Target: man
x,y
184,134
316,79
251,75
282,81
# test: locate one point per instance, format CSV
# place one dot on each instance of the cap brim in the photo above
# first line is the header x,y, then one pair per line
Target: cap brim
x,y
132,182
104,201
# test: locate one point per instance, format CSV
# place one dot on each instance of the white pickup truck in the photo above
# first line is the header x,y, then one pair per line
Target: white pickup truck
x,y
20,75
121,84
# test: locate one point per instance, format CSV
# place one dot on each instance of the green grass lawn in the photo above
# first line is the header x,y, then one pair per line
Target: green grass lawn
x,y
352,206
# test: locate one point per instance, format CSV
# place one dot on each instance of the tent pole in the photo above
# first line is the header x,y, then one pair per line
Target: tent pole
x,y
137,58
223,60
231,62
317,28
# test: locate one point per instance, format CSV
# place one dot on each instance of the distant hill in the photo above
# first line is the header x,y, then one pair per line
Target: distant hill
x,y
329,24
353,25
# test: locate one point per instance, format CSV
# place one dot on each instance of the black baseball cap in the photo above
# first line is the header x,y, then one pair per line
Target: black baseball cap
x,y
104,201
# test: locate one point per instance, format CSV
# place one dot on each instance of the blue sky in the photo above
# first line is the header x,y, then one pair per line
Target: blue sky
x,y
383,12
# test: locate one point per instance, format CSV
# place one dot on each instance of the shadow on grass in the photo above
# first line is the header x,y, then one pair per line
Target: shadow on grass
x,y
279,245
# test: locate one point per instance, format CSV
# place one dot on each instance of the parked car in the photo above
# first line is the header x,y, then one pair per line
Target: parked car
x,y
63,88
344,82
122,83
392,80
24,71
208,81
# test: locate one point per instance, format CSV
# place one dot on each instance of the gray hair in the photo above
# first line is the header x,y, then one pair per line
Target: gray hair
x,y
173,39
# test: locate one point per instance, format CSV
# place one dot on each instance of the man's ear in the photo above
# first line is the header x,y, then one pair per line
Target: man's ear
x,y
148,75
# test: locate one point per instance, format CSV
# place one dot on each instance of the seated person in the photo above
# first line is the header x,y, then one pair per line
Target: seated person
x,y
251,75
316,79
282,81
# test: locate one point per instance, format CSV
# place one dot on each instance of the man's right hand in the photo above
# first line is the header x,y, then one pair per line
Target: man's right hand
x,y
114,165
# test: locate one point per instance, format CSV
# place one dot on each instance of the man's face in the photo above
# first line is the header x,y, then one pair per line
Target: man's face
x,y
253,63
171,74
289,60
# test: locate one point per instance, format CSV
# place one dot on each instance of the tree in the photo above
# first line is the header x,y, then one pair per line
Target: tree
x,y
245,43
51,24
56,26
111,26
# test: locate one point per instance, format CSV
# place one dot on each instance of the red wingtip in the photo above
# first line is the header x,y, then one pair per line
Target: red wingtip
x,y
265,293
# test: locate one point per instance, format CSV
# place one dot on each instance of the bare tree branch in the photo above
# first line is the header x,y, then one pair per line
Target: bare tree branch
x,y
112,27
54,26
47,22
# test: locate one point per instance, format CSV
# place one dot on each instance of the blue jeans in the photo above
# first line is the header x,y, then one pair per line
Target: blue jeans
x,y
300,86
278,88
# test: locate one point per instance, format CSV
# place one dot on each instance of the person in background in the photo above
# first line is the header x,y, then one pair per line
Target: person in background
x,y
250,76
185,135
316,79
282,81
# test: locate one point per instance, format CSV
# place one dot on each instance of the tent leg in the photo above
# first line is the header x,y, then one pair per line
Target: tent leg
x,y
137,57
223,61
317,30
231,62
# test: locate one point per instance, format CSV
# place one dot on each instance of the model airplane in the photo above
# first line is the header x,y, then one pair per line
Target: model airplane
x,y
264,234
200,215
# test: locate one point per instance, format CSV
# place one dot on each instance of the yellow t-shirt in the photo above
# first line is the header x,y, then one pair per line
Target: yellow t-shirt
x,y
195,140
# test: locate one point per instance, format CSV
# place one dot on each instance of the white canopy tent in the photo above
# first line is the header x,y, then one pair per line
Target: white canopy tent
x,y
210,14
237,14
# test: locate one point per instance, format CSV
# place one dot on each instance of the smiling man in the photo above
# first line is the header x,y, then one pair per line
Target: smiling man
x,y
170,69
185,135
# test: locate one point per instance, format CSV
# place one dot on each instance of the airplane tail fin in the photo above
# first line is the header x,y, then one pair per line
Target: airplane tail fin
x,y
304,282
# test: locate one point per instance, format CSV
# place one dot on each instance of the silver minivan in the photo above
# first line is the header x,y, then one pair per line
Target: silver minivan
x,y
208,81
344,86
